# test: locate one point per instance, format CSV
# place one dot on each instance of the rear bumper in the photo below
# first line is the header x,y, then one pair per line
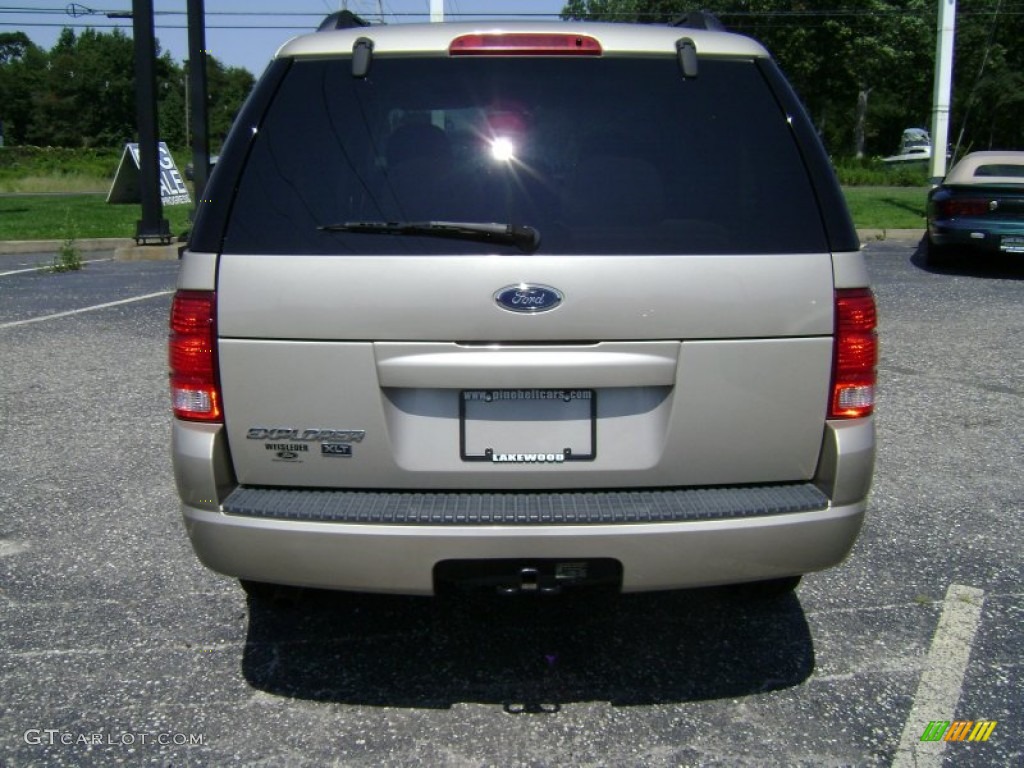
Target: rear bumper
x,y
977,236
682,547
401,559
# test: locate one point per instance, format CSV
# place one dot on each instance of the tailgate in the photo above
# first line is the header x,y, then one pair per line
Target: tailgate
x,y
404,371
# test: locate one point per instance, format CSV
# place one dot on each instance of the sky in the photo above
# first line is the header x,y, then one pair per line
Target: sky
x,y
243,33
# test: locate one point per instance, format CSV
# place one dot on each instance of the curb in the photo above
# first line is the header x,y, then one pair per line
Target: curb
x,y
53,246
133,252
894,235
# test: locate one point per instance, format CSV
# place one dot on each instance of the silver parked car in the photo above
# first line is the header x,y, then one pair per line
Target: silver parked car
x,y
529,306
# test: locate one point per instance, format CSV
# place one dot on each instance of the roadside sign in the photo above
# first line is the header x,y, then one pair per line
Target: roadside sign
x,y
125,188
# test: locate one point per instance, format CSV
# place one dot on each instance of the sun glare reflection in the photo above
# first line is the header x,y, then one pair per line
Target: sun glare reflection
x,y
503,149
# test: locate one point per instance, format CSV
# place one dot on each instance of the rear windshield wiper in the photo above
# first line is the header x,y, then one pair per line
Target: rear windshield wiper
x,y
526,239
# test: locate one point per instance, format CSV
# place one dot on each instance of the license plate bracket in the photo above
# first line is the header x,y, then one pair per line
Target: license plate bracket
x,y
528,426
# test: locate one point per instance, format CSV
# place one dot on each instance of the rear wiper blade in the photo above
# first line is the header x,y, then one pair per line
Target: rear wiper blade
x,y
526,239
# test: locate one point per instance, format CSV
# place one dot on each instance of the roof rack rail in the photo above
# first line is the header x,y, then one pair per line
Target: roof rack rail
x,y
342,20
699,20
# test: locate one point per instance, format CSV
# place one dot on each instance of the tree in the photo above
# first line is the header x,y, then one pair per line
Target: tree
x,y
21,64
172,106
105,89
53,118
228,89
13,47
988,87
81,93
84,96
840,55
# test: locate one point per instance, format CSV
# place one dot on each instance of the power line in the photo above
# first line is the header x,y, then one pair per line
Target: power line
x,y
777,19
74,9
780,19
78,9
105,25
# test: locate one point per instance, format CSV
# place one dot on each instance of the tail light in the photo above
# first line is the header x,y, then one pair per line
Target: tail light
x,y
952,208
192,353
524,44
855,355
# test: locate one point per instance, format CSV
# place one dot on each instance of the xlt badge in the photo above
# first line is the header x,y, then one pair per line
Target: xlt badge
x,y
335,449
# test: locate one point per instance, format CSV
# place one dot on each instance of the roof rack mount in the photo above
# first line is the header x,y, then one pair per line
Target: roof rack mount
x,y
342,20
699,20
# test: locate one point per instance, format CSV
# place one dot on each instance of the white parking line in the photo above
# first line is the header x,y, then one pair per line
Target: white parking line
x,y
943,677
46,266
93,308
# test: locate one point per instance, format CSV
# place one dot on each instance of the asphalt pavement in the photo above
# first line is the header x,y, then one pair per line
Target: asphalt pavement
x,y
118,648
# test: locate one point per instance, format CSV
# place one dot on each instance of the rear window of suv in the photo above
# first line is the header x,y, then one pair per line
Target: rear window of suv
x,y
604,155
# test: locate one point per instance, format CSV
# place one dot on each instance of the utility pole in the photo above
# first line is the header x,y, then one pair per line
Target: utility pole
x,y
152,228
436,10
197,80
943,88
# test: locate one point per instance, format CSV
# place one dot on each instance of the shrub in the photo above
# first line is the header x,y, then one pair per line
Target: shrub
x,y
68,258
872,172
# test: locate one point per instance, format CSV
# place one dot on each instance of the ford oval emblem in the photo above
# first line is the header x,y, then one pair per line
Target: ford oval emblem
x,y
529,298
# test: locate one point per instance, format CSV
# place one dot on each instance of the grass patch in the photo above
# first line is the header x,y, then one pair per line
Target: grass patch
x,y
887,207
44,170
26,161
34,170
46,217
56,193
56,183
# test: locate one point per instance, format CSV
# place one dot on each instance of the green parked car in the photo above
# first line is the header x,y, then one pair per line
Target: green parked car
x,y
978,210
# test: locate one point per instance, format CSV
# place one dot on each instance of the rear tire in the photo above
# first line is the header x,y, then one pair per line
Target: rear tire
x,y
937,256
